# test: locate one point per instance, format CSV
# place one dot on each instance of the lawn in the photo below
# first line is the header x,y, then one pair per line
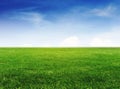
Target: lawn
x,y
59,68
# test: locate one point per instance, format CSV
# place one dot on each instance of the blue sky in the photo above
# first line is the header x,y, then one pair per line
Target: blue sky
x,y
59,23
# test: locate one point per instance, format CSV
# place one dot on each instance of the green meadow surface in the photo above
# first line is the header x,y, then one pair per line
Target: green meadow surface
x,y
59,68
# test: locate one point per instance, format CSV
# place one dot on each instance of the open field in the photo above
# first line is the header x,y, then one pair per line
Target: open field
x,y
59,68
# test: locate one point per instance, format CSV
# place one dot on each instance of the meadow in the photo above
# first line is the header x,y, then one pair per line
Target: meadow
x,y
59,68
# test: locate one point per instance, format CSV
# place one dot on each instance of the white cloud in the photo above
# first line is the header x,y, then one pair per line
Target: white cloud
x,y
107,39
104,12
72,41
99,42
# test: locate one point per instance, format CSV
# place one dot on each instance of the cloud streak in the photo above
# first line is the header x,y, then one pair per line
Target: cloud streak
x,y
104,12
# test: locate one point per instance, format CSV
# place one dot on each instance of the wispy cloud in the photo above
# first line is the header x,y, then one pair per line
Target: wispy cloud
x,y
107,11
29,17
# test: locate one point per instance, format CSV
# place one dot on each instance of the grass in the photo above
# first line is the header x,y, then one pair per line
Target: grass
x,y
59,68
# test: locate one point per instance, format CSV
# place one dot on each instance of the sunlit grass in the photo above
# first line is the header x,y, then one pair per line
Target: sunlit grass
x,y
60,68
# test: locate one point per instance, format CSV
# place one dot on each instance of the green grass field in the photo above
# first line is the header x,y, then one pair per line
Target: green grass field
x,y
59,68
